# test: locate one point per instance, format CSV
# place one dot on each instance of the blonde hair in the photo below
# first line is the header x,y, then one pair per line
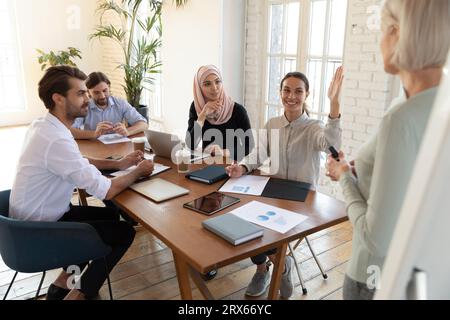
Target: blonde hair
x,y
424,39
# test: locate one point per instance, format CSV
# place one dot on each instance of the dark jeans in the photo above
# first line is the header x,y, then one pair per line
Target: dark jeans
x,y
119,235
111,205
262,258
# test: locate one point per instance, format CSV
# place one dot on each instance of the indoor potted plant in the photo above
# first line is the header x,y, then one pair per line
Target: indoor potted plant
x,y
62,57
139,38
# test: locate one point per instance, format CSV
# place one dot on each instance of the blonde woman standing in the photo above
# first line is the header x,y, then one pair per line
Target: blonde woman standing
x,y
415,42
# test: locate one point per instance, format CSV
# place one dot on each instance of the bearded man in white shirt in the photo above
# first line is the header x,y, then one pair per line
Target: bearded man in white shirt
x,y
51,166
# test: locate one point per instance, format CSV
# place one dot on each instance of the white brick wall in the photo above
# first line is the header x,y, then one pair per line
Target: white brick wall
x,y
367,84
366,93
255,39
367,88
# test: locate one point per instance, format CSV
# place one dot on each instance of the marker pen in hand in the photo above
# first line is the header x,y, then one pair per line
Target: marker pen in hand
x,y
334,153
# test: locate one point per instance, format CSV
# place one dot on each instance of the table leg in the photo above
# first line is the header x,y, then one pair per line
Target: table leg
x,y
298,243
82,194
278,269
200,283
182,269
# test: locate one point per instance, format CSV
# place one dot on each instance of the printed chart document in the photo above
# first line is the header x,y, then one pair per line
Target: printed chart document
x,y
250,185
269,217
113,139
158,169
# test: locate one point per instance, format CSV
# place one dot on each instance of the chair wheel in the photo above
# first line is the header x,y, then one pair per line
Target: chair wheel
x,y
325,276
305,291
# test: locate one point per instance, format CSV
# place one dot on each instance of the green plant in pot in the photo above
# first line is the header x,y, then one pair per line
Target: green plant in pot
x,y
62,57
140,40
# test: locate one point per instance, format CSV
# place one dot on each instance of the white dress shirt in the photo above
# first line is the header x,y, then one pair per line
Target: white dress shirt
x,y
49,169
118,110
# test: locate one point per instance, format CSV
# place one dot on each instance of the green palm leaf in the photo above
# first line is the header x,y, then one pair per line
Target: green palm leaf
x,y
139,38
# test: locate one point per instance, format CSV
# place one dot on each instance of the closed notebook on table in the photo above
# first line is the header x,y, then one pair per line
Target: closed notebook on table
x,y
208,175
233,229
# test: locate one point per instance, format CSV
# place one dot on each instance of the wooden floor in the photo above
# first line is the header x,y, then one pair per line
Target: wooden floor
x,y
147,270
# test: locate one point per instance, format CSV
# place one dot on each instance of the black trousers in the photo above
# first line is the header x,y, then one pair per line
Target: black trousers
x,y
126,217
262,258
119,235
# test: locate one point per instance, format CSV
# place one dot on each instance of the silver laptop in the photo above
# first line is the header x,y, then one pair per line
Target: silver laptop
x,y
159,190
165,145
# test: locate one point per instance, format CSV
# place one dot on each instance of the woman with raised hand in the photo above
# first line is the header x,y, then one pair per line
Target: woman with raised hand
x,y
294,153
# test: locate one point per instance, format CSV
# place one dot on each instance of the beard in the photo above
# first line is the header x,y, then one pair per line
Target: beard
x,y
101,102
73,112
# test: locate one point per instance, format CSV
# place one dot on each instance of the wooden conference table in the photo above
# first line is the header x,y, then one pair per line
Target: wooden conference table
x,y
196,250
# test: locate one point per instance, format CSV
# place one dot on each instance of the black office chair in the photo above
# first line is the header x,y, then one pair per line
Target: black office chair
x,y
33,247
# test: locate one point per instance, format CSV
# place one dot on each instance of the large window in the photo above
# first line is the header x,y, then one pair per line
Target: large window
x,y
306,36
11,81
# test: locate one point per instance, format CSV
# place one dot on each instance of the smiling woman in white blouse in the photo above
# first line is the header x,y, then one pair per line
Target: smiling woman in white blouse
x,y
293,143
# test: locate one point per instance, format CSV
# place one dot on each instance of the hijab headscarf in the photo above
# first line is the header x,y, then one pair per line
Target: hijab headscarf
x,y
225,113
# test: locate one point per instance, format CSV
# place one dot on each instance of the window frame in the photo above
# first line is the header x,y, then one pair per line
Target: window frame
x,y
303,56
